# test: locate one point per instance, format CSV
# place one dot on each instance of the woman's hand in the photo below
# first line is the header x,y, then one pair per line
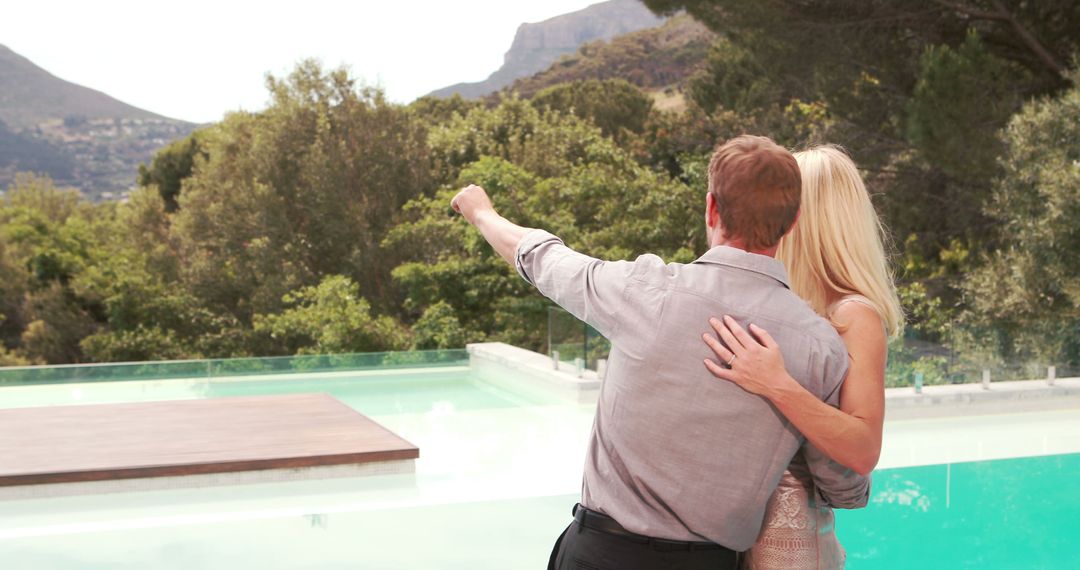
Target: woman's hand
x,y
755,364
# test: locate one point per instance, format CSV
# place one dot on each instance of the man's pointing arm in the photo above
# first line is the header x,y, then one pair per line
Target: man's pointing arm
x,y
503,235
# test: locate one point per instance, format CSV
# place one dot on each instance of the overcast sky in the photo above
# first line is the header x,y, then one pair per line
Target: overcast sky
x,y
197,59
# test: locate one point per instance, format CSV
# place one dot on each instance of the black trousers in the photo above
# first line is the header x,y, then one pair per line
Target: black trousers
x,y
580,547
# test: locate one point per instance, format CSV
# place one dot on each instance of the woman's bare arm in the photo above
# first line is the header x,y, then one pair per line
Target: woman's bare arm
x,y
850,435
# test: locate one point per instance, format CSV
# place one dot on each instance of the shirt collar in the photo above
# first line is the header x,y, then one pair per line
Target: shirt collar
x,y
732,257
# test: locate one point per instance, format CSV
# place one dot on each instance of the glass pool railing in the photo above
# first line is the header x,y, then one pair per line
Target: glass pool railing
x,y
911,362
215,368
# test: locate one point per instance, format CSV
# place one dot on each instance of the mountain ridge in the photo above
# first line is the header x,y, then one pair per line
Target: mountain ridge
x,y
656,59
538,45
30,95
78,136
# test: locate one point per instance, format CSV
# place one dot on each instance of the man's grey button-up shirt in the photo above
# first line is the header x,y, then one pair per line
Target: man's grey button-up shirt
x,y
675,453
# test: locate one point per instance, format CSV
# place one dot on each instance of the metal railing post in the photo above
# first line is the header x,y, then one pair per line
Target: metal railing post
x,y
550,346
585,342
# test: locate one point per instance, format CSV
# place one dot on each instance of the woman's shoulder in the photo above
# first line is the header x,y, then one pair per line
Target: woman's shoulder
x,y
855,314
852,299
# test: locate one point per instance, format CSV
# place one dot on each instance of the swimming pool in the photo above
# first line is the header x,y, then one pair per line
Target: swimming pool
x,y
498,472
1006,513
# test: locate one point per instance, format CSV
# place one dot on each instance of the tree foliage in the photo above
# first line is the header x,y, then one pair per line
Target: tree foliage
x,y
1026,297
543,169
942,122
170,166
322,224
305,189
438,327
614,105
45,238
916,91
228,224
328,318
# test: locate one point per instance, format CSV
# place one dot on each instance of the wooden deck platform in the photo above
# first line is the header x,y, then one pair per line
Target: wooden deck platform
x,y
102,442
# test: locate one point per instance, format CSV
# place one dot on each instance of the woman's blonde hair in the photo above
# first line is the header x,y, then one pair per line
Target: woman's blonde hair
x,y
837,247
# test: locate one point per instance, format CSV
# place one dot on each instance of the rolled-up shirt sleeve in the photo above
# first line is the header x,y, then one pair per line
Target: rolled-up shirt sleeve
x,y
526,258
837,486
591,289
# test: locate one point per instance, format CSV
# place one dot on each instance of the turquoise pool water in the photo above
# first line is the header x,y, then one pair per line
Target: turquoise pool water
x,y
1007,513
498,473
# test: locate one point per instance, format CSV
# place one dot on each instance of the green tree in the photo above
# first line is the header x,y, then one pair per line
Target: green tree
x,y
614,105
1025,299
438,328
438,110
1038,35
543,169
943,122
328,318
57,323
133,277
916,91
12,358
170,166
305,189
732,79
13,282
47,235
34,193
135,345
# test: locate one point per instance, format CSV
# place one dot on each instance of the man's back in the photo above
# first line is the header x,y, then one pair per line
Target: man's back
x,y
674,453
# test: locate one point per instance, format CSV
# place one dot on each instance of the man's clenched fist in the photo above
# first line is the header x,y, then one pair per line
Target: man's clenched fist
x,y
471,201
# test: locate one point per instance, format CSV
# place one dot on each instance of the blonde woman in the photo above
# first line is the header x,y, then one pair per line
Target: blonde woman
x,y
835,258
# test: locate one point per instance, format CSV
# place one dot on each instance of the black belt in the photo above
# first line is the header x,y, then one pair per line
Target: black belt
x,y
605,524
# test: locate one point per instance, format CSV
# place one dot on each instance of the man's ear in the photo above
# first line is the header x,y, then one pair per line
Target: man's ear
x,y
712,214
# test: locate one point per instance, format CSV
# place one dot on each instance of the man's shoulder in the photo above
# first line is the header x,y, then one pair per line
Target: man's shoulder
x,y
650,268
775,302
815,325
795,324
817,329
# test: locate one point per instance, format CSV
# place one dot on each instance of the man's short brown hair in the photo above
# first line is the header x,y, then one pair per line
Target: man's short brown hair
x,y
758,189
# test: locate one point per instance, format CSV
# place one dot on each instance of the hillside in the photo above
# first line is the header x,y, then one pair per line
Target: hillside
x,y
30,95
536,46
657,60
79,136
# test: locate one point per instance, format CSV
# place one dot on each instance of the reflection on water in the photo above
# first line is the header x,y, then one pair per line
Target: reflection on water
x,y
899,491
1009,513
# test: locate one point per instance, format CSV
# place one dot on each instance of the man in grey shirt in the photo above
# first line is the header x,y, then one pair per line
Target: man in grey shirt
x,y
680,466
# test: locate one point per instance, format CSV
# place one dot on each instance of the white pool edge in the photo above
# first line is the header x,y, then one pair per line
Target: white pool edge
x,y
534,372
201,480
